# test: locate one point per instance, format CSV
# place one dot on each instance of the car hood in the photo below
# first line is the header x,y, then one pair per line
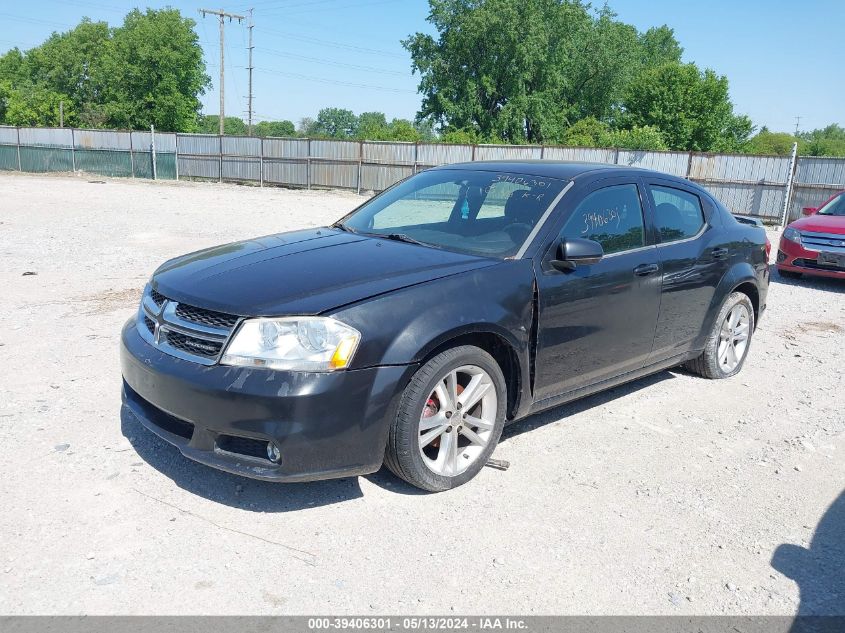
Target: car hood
x,y
303,272
821,224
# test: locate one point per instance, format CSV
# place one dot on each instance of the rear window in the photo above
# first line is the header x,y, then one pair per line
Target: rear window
x,y
677,213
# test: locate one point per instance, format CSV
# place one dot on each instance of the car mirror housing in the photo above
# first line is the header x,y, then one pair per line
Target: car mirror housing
x,y
574,251
809,210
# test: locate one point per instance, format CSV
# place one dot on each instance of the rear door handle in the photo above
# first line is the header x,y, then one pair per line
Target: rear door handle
x,y
646,269
720,253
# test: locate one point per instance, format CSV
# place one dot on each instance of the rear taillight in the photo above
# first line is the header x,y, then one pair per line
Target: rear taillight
x,y
768,248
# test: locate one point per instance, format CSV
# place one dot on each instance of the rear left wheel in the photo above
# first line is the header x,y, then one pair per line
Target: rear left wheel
x,y
727,345
449,420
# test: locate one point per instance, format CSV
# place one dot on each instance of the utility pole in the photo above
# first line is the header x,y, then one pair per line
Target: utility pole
x,y
797,121
220,13
250,67
61,113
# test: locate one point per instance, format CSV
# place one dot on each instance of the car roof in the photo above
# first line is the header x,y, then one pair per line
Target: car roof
x,y
563,169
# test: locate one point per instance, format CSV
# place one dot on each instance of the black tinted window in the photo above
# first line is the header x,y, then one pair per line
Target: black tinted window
x,y
677,213
612,216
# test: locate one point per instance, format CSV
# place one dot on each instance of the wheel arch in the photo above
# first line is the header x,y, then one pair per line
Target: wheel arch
x,y
749,289
493,341
739,278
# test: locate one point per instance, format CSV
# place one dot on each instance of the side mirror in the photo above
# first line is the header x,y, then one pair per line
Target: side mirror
x,y
574,251
809,210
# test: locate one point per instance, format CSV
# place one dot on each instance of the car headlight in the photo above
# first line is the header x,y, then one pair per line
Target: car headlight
x,y
793,235
292,343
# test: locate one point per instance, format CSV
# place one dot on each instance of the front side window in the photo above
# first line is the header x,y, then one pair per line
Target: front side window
x,y
487,213
834,207
677,213
612,216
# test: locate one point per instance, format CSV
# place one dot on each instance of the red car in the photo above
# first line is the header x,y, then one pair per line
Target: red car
x,y
815,245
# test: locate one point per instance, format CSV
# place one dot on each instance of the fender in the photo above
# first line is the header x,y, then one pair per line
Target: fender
x,y
412,322
739,273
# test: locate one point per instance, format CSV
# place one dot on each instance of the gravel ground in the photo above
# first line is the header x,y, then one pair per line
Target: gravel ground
x,y
666,496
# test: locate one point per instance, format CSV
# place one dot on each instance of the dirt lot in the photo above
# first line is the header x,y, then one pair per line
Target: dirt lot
x,y
667,496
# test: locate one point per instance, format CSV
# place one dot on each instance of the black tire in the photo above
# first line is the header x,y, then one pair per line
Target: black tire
x,y
707,365
789,274
403,456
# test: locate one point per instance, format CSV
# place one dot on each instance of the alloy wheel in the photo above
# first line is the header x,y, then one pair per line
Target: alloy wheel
x,y
457,420
733,338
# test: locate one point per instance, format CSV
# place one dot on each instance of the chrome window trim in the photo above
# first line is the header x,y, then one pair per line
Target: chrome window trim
x,y
542,221
631,250
701,232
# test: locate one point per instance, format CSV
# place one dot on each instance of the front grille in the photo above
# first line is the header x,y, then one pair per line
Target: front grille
x,y
205,317
185,331
243,446
193,345
822,241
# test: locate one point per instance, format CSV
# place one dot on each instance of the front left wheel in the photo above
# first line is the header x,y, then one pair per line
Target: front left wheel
x,y
449,420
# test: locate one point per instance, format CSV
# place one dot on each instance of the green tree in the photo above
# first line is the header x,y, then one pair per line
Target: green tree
x,y
147,71
34,106
658,46
828,141
210,124
274,128
67,62
692,109
372,126
646,137
335,123
588,132
152,72
525,70
767,142
403,130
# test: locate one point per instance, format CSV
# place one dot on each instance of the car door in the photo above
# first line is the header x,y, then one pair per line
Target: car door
x,y
597,321
694,256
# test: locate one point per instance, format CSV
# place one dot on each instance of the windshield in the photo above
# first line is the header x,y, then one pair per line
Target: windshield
x,y
485,213
834,207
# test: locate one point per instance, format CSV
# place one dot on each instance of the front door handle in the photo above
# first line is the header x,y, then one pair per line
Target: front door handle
x,y
720,253
646,269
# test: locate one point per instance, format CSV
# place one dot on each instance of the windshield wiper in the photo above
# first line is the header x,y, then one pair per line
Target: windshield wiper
x,y
401,237
342,227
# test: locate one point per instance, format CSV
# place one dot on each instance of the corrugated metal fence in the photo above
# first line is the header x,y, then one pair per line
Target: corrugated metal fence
x,y
754,185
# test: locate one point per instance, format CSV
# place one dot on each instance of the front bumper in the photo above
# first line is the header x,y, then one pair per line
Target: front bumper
x,y
325,425
793,257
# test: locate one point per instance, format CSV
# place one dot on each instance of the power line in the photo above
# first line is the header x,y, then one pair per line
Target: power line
x,y
355,5
314,40
35,20
274,11
332,62
333,81
222,15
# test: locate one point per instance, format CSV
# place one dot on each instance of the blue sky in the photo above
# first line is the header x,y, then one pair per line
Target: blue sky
x,y
782,58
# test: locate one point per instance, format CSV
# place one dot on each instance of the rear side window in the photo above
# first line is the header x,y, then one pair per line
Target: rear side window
x,y
677,213
612,216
